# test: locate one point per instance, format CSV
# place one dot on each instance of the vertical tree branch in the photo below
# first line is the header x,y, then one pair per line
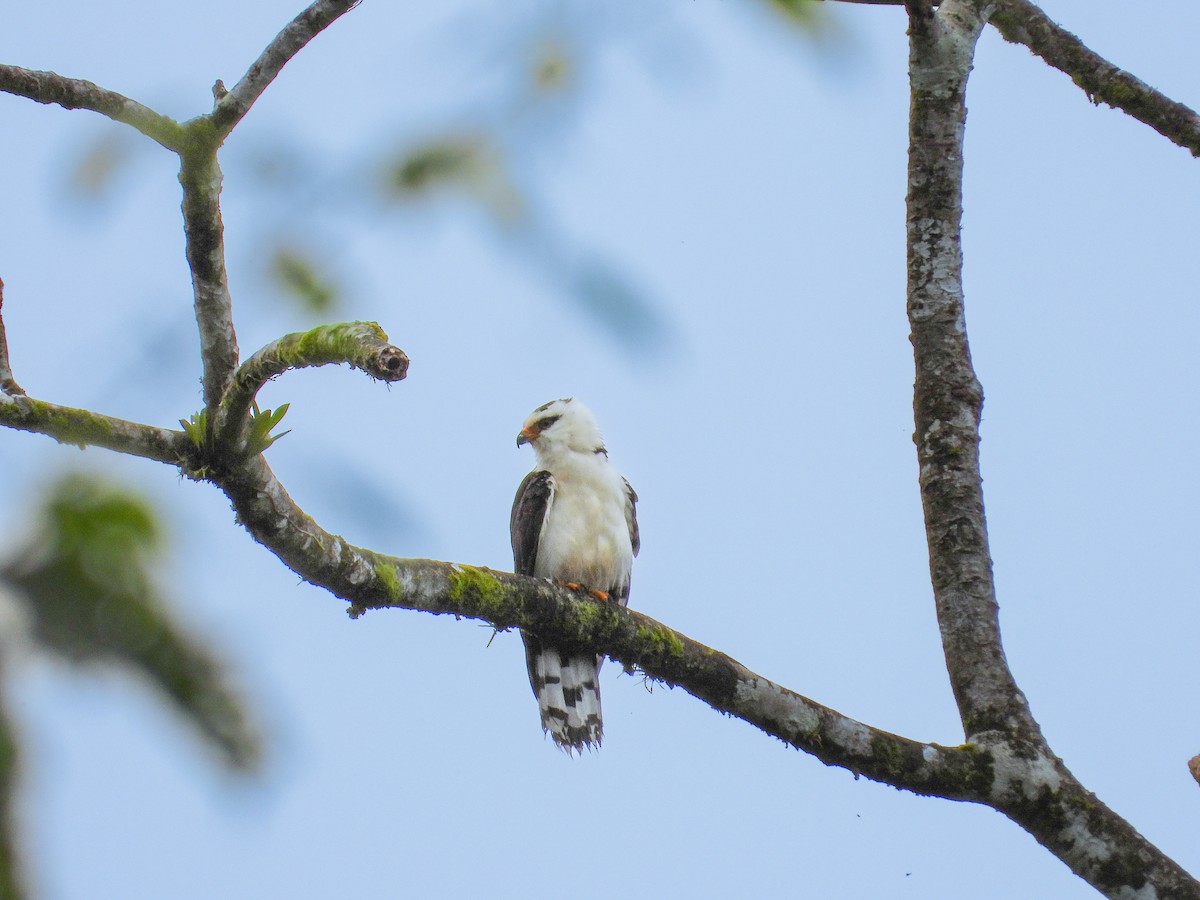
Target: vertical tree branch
x,y
200,176
948,398
1030,784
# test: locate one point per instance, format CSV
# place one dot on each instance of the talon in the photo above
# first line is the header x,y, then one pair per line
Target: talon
x,y
599,595
573,585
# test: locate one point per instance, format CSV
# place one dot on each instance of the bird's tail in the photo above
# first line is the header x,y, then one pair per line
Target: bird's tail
x,y
567,688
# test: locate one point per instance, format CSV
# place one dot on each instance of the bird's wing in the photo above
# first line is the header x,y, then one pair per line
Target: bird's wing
x,y
528,516
631,517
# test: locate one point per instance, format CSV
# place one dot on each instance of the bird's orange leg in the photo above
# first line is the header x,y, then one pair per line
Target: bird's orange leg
x,y
576,586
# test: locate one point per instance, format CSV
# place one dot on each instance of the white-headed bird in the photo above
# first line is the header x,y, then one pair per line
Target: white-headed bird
x,y
574,521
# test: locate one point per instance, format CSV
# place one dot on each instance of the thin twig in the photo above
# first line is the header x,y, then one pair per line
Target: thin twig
x,y
8,384
1022,22
232,106
73,93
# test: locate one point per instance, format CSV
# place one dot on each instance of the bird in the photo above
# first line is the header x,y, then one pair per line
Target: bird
x,y
574,520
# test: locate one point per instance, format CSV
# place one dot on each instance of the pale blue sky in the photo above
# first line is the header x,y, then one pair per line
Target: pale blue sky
x,y
751,185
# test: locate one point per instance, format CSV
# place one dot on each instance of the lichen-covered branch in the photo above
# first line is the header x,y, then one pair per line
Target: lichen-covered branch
x,y
1030,784
8,384
363,345
204,234
72,93
948,398
237,102
84,428
1022,22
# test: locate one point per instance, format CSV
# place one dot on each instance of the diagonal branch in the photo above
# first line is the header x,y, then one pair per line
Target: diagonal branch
x,y
372,580
1022,22
73,93
237,102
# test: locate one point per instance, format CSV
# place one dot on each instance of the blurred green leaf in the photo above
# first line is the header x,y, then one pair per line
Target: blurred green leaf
x,y
438,163
97,168
86,577
299,276
553,65
807,14
10,857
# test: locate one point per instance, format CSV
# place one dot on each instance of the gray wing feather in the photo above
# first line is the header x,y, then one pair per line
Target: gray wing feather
x,y
631,499
528,515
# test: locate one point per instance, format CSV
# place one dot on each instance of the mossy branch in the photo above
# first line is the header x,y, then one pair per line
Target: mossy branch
x,y
362,345
84,428
371,580
73,93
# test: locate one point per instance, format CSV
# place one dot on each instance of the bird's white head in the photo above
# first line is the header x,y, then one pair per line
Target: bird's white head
x,y
561,426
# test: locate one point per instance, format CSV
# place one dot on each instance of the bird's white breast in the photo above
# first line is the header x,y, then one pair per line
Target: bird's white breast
x,y
585,536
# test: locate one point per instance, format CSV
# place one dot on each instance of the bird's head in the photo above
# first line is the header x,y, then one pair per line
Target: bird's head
x,y
561,425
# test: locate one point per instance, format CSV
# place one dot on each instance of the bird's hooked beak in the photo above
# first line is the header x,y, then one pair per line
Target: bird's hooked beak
x,y
527,434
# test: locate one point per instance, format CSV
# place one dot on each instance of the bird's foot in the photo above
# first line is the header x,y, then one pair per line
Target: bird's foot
x,y
576,586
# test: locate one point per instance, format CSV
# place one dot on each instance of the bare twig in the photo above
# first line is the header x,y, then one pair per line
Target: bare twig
x,y
1022,22
8,384
72,93
232,106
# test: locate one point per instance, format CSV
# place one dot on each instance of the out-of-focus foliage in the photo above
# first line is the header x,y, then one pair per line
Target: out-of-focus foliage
x,y
446,160
85,581
10,862
97,168
805,13
298,274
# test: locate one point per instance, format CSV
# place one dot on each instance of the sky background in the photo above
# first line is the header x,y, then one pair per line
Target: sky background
x,y
746,183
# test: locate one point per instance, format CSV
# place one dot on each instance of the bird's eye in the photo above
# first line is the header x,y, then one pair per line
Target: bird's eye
x,y
546,422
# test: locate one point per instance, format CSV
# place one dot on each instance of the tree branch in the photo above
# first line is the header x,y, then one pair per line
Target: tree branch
x,y
1022,22
363,345
948,397
83,428
1030,784
200,176
72,93
230,108
372,580
8,384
